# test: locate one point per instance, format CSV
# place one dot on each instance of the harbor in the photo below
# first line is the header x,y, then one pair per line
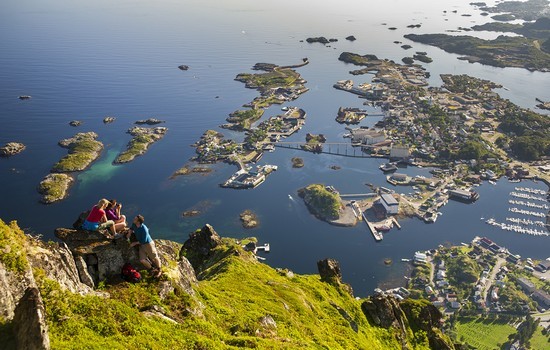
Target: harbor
x,y
525,225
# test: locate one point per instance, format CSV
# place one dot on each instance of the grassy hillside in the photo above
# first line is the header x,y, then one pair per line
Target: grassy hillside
x,y
239,303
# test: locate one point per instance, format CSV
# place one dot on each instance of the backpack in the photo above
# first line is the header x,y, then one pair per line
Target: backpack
x,y
130,274
77,225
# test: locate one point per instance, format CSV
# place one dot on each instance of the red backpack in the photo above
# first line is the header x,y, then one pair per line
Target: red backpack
x,y
130,274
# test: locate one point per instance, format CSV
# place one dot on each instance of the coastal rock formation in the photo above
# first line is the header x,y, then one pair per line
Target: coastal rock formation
x,y
385,312
108,120
25,97
325,203
29,322
54,187
11,149
351,38
143,138
329,270
183,67
199,245
75,123
58,264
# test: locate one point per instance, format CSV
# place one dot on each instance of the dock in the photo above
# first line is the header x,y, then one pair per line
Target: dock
x,y
394,220
377,235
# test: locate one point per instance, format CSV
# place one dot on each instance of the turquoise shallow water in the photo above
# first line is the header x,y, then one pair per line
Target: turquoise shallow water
x,y
85,61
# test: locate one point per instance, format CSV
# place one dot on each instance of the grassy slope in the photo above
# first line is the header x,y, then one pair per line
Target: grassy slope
x,y
237,291
483,334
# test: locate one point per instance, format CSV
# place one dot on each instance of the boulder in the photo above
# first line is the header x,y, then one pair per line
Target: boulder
x,y
29,322
58,264
108,120
329,270
75,123
384,311
183,67
13,285
197,248
11,149
351,38
102,258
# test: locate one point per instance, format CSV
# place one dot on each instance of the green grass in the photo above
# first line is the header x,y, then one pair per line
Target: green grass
x,y
81,154
539,340
236,294
483,334
12,247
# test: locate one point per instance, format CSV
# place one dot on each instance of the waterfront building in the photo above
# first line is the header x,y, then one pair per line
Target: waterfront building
x,y
390,204
367,136
420,258
399,152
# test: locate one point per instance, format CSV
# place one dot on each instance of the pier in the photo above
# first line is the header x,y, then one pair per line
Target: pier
x,y
358,195
377,235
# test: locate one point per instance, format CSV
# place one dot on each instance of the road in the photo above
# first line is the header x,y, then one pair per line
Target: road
x,y
491,279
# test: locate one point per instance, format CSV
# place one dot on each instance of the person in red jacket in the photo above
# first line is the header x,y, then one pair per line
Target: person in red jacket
x,y
97,220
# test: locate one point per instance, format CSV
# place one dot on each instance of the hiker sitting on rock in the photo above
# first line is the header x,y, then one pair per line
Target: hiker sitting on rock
x,y
147,250
113,213
97,220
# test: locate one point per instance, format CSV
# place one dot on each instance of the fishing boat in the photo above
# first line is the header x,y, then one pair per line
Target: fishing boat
x,y
387,167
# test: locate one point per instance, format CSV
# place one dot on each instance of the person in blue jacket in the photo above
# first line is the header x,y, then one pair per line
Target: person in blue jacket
x,y
148,255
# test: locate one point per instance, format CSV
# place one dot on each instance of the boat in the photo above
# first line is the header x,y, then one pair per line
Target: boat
x,y
24,97
405,260
387,167
285,108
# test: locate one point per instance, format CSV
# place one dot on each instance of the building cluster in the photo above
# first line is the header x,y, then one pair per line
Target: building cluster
x,y
432,122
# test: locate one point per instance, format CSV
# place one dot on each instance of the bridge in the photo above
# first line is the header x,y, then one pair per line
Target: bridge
x,y
336,148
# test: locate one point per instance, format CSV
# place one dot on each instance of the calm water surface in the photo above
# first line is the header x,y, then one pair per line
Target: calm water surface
x,y
87,60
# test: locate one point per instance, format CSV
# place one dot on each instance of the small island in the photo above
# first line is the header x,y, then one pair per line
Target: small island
x,y
187,170
350,115
242,120
297,162
325,203
143,138
11,149
54,187
249,219
83,150
314,143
